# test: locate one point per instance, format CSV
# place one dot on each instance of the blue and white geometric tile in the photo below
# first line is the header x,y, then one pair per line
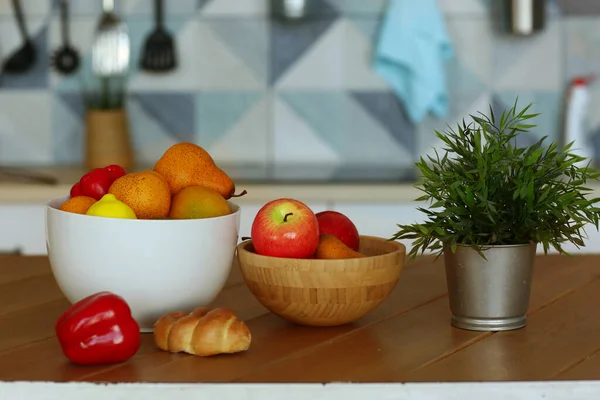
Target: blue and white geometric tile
x,y
218,112
233,8
216,64
296,141
593,117
369,26
296,145
248,38
359,7
23,139
340,121
368,138
474,8
148,135
385,108
594,140
122,7
174,112
246,141
68,129
581,8
182,8
529,64
290,42
473,40
582,46
320,66
357,55
201,3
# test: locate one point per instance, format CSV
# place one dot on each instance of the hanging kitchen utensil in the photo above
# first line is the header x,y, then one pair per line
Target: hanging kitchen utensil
x,y
110,53
107,138
159,53
24,58
292,10
66,58
111,48
526,17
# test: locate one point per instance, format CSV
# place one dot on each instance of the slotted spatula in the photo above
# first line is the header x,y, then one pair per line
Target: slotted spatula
x,y
24,58
159,53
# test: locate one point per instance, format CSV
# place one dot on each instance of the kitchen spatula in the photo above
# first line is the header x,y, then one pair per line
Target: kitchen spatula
x,y
159,53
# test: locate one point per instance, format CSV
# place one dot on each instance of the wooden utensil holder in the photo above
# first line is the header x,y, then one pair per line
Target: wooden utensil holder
x,y
107,139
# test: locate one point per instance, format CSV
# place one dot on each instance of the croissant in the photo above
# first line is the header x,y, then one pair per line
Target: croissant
x,y
202,332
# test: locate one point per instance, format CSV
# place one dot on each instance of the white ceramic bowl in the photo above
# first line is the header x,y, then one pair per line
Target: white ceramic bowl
x,y
157,266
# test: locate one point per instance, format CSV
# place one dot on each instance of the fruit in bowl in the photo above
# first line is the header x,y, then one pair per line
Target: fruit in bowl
x,y
187,164
198,202
332,248
146,192
285,228
334,285
337,224
125,232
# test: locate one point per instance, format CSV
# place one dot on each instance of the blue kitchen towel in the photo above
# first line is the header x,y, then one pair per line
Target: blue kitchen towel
x,y
410,55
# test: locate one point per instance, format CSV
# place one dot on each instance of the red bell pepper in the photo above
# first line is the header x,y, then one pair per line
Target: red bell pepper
x,y
98,329
96,182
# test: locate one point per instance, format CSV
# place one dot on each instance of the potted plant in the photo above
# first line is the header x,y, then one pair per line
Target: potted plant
x,y
107,138
491,204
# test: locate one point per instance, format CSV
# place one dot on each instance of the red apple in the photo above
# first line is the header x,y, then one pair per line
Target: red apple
x,y
340,226
285,228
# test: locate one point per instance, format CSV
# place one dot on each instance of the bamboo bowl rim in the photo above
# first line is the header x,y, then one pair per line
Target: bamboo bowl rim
x,y
283,262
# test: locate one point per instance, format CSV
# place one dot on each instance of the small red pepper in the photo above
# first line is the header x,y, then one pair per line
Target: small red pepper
x,y
76,190
98,329
115,171
96,182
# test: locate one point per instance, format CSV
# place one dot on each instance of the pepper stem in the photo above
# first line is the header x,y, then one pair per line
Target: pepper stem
x,y
286,216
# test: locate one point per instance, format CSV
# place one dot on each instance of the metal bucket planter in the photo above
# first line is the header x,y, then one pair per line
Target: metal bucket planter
x,y
489,294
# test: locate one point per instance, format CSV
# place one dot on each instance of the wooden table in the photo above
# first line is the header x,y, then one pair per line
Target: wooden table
x,y
407,339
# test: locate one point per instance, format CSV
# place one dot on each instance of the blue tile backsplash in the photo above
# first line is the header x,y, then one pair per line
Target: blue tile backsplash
x,y
261,93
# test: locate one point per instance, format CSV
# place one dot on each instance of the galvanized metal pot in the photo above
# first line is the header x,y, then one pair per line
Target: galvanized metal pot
x,y
489,294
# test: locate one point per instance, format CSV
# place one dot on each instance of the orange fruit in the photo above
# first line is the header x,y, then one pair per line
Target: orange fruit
x,y
187,164
78,204
146,192
198,202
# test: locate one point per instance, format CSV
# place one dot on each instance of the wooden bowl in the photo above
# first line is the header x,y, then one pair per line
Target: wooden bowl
x,y
324,292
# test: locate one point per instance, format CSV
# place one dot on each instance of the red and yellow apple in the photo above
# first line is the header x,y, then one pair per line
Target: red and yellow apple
x,y
340,226
285,228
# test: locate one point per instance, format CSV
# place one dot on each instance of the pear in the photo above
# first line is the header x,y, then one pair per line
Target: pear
x,y
332,248
198,202
187,164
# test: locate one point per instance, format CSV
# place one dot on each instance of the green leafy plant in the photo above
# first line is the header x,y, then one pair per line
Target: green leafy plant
x,y
486,190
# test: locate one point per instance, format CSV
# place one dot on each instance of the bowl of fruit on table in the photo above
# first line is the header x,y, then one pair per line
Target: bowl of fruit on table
x,y
315,269
163,239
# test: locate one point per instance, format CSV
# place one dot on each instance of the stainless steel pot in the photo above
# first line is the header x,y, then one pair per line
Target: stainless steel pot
x,y
489,294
